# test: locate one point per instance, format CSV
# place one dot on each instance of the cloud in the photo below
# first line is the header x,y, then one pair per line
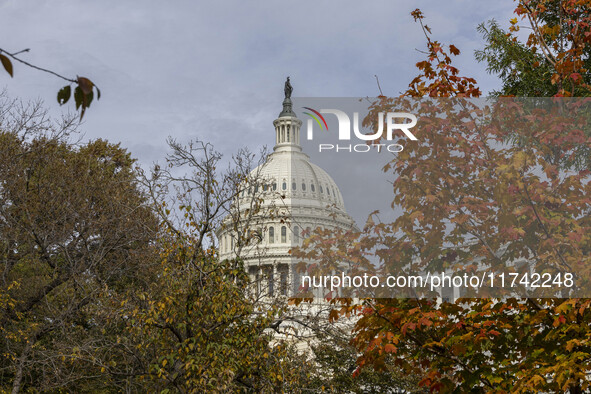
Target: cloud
x,y
216,69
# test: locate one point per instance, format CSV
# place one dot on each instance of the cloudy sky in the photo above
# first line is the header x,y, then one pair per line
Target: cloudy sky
x,y
215,70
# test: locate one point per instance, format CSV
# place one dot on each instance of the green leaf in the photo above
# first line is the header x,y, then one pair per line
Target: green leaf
x,y
7,64
64,95
82,100
78,97
88,99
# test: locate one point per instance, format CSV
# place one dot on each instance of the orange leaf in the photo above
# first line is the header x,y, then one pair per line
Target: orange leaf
x,y
389,348
85,84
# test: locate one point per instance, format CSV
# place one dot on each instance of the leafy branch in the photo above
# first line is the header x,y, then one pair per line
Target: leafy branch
x,y
83,92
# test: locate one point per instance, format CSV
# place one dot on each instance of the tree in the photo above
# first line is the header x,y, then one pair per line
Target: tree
x,y
514,63
475,190
555,58
554,61
196,331
197,327
111,279
334,360
74,229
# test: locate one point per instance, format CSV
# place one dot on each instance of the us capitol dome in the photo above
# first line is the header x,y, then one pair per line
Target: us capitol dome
x,y
282,202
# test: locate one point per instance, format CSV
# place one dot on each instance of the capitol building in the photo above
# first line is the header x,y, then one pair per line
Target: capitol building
x,y
282,202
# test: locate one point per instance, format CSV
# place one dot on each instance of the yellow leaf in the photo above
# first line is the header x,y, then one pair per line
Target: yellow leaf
x,y
571,344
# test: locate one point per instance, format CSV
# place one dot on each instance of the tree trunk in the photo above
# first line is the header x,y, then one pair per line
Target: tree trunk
x,y
18,376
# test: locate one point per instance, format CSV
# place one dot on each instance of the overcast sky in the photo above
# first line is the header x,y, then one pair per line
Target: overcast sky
x,y
215,70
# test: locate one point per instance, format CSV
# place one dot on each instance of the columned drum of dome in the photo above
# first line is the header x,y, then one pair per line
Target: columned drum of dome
x,y
296,196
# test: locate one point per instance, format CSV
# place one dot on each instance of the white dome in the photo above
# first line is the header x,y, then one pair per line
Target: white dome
x,y
289,176
288,198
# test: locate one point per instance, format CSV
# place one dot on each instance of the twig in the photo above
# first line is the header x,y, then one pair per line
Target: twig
x,y
13,55
379,87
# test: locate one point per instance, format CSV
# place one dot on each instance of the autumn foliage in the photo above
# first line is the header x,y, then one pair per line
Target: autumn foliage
x,y
107,283
476,188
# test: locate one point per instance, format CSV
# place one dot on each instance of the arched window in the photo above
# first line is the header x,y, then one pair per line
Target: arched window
x,y
283,234
284,186
303,186
327,190
321,190
296,234
271,235
274,185
312,187
293,186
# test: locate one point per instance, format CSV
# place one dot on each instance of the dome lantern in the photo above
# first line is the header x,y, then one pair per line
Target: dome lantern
x,y
287,125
